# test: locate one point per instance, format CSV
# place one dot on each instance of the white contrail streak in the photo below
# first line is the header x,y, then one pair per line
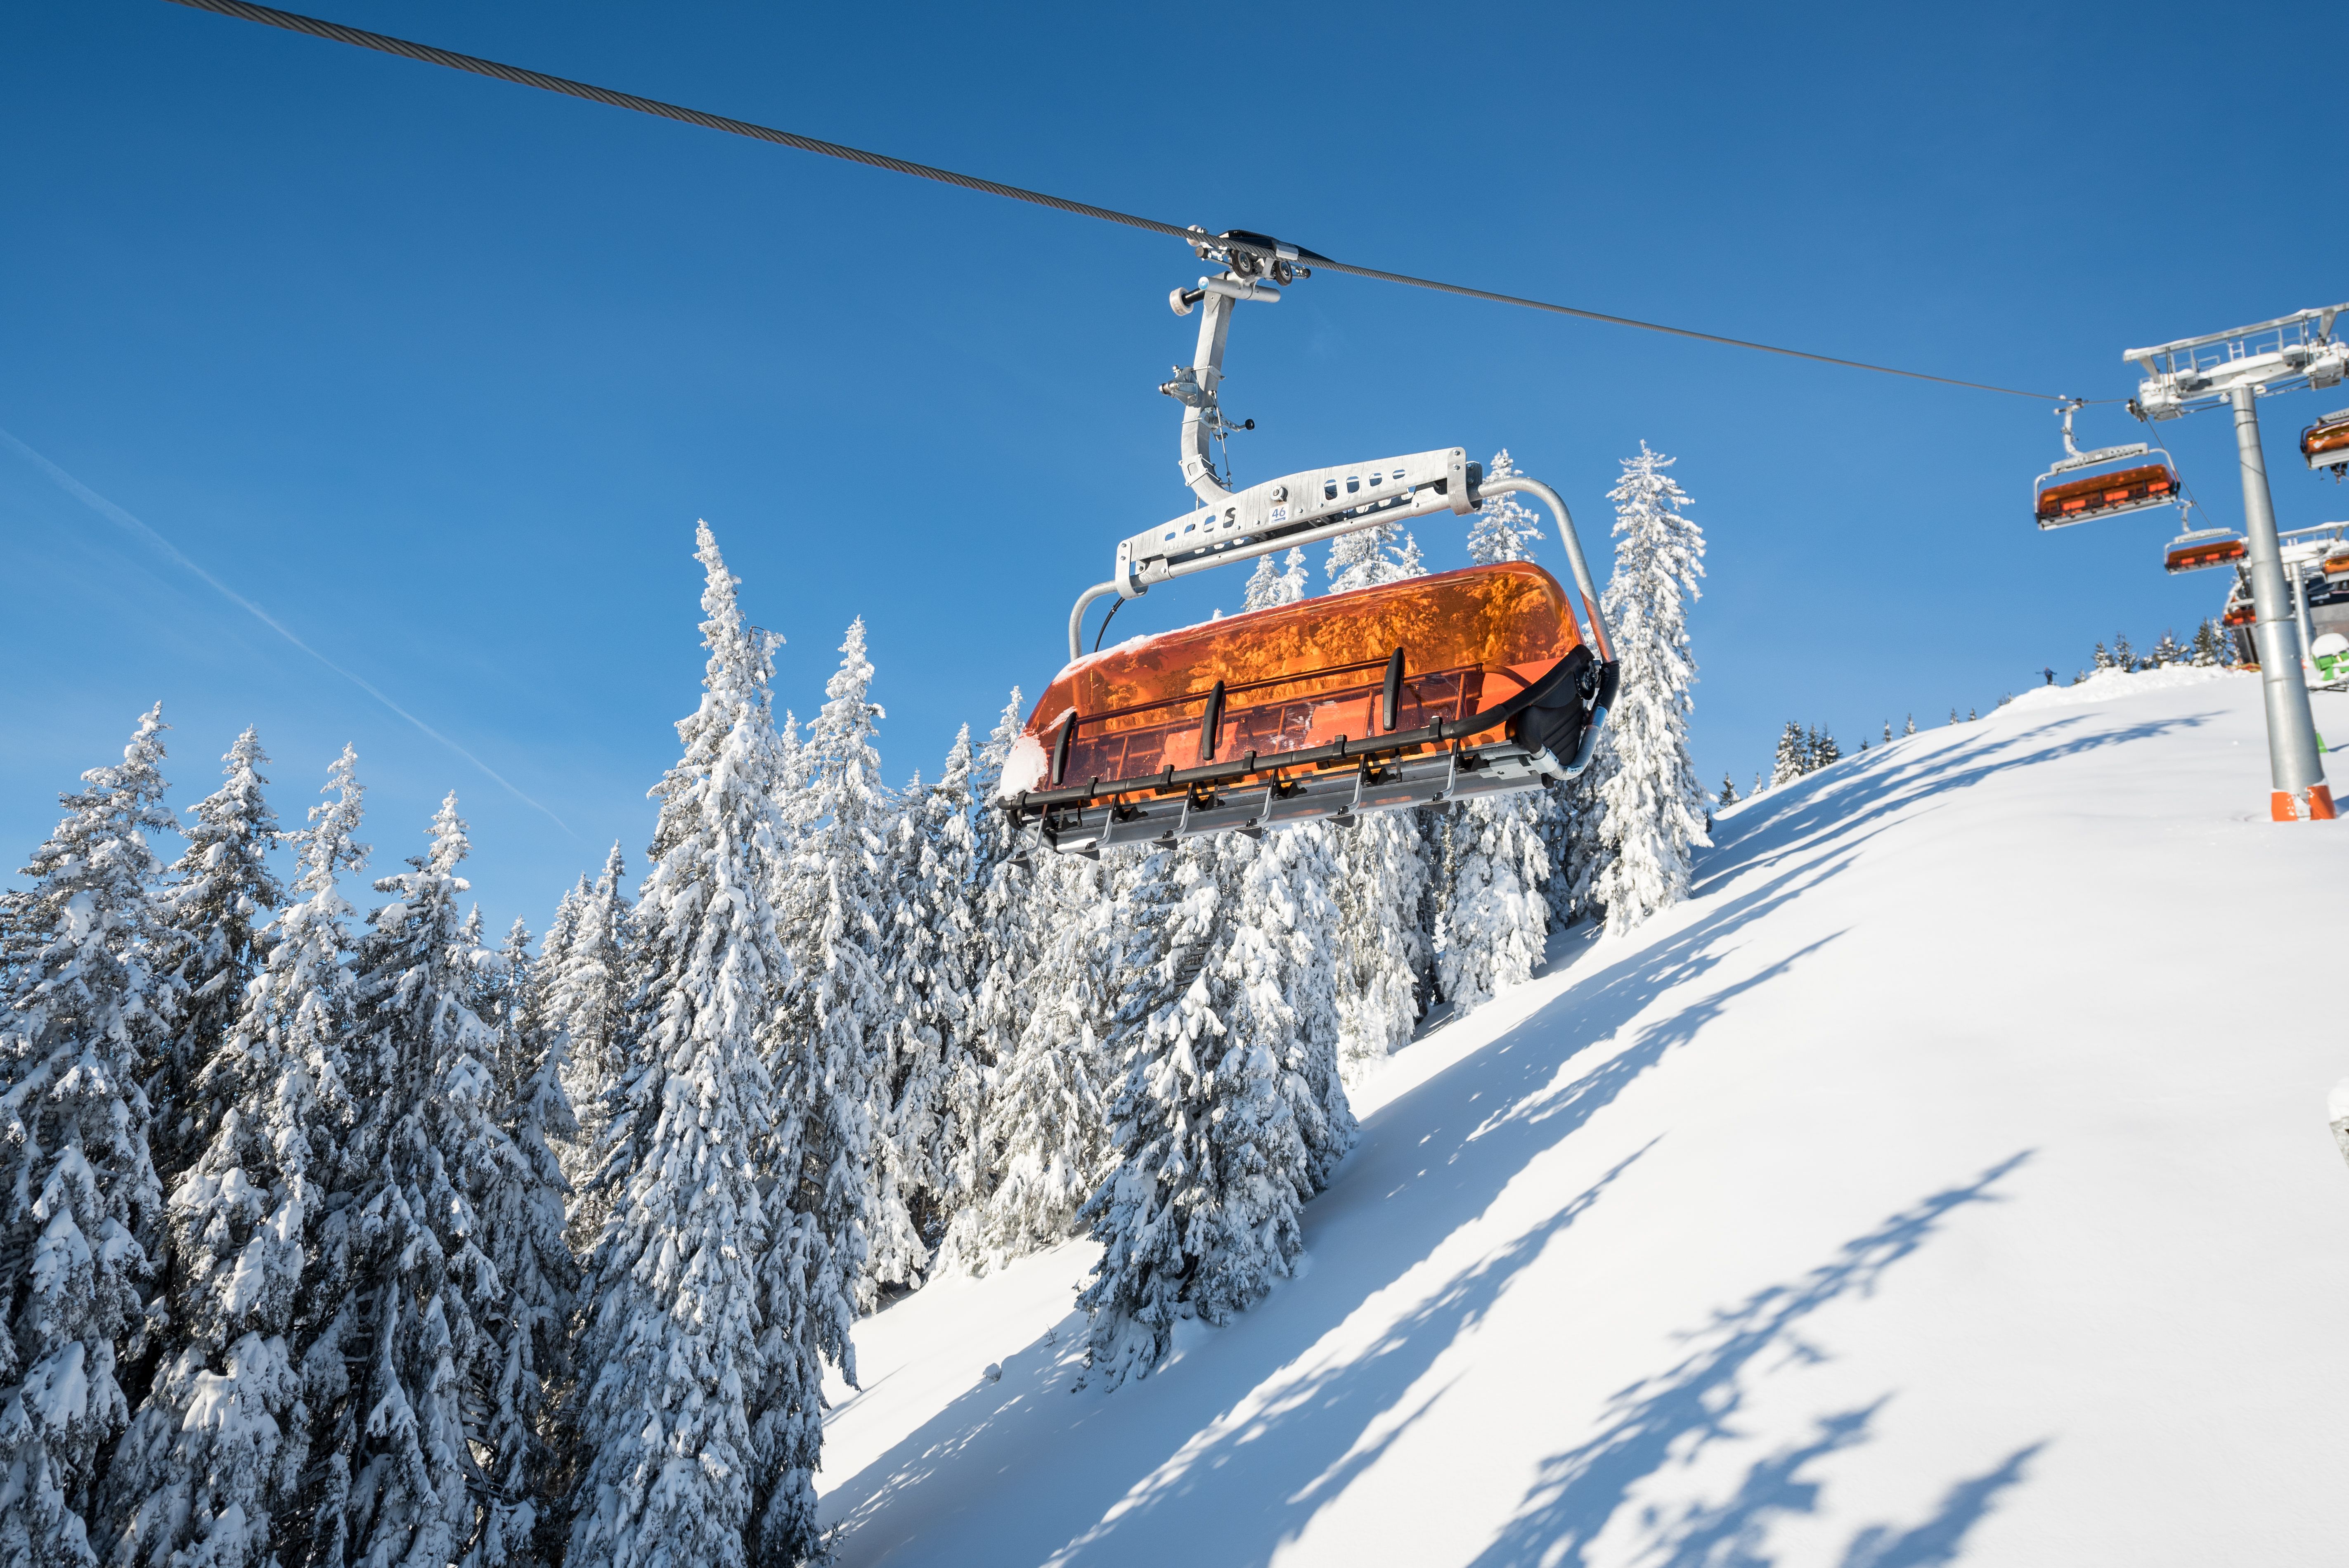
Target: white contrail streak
x,y
113,513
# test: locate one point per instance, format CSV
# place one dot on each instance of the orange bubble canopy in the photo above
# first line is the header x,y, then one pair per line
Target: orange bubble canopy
x,y
1300,676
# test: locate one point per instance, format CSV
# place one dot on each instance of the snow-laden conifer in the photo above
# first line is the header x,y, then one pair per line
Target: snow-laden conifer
x,y
1044,1131
521,1213
1287,950
396,1379
1729,796
927,961
209,1470
1654,806
584,985
1268,587
1792,758
78,1198
1505,528
1496,912
1201,1212
1569,832
833,901
220,895
1004,944
1383,553
675,1369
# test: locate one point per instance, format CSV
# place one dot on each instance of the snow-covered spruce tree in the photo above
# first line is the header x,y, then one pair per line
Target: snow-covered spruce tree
x,y
2165,650
1654,806
1569,824
1287,953
2125,657
396,1377
833,901
1201,1212
927,965
521,1213
1792,757
1268,587
585,985
78,1199
220,895
675,1373
1045,1132
1505,528
1003,952
1728,796
1370,556
1824,751
207,1472
1496,920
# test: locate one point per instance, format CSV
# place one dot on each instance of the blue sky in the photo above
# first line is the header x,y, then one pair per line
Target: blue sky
x,y
438,372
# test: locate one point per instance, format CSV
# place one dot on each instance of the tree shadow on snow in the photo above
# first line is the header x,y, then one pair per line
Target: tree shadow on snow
x,y
1247,1474
1666,1421
1862,791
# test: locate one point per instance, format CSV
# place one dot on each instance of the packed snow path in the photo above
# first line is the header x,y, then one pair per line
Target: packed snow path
x,y
1948,1181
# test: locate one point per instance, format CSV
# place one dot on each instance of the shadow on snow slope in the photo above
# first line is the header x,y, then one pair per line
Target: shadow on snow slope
x,y
1229,1452
1668,1419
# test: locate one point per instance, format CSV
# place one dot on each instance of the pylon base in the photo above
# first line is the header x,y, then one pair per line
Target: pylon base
x,y
2316,806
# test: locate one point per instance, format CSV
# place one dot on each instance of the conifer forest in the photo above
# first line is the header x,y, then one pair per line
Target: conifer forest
x,y
338,1228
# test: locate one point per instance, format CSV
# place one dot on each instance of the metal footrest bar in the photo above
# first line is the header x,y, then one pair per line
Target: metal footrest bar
x,y
1276,801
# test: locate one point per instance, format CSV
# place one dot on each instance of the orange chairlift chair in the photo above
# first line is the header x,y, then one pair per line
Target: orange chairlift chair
x,y
2325,443
2202,548
1435,689
2109,483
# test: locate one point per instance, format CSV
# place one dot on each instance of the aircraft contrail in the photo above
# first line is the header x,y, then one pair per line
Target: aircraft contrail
x,y
113,513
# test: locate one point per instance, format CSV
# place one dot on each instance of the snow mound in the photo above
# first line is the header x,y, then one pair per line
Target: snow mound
x,y
1943,1183
2105,685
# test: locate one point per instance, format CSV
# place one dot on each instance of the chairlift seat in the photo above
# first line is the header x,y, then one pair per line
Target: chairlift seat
x,y
2325,443
2198,552
1441,688
2102,495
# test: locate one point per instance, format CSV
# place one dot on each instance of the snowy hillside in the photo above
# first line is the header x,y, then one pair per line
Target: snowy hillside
x,y
1948,1181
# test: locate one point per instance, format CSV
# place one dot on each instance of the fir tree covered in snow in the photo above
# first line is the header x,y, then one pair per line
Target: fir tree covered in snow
x,y
1822,750
1201,1212
79,1197
1728,796
1368,557
2165,650
1268,587
1506,528
1495,914
1792,758
1044,1131
220,897
679,1353
928,959
828,1070
1654,806
583,987
397,1379
522,1212
208,1471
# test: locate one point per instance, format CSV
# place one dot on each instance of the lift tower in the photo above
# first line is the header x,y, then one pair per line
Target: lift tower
x,y
2237,367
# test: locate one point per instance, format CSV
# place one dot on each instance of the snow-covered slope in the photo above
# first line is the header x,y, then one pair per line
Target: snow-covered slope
x,y
1949,1180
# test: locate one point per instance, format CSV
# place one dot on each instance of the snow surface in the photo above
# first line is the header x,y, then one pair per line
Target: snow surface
x,y
1947,1181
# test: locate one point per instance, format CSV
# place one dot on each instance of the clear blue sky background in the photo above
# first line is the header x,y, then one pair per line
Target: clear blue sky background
x,y
440,372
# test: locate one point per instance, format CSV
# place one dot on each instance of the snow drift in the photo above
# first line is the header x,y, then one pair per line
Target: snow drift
x,y
1948,1180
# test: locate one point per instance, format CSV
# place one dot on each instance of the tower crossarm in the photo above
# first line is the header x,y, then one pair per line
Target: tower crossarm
x,y
2269,357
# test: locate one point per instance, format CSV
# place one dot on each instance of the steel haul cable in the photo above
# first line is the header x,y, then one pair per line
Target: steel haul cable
x,y
293,22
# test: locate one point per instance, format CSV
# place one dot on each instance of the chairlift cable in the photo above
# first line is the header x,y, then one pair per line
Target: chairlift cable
x,y
294,22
